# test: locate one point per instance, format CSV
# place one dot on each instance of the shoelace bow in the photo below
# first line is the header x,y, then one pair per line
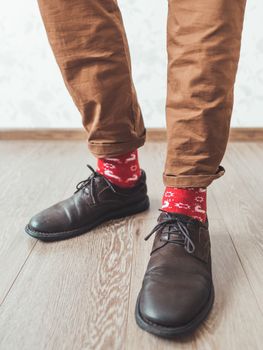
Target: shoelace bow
x,y
91,181
175,226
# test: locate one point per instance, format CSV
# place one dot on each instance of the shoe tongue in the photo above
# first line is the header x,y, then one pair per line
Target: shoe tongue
x,y
165,215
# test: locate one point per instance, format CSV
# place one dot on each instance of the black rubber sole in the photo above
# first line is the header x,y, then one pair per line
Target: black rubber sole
x,y
57,236
173,332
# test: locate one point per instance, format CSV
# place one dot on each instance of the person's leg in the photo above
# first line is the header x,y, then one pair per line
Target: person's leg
x,y
203,40
203,49
90,46
89,43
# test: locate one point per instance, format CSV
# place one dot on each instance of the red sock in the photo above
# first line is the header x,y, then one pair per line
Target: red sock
x,y
189,201
123,170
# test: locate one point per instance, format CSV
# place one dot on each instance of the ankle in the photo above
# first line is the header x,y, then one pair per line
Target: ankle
x,y
189,201
123,171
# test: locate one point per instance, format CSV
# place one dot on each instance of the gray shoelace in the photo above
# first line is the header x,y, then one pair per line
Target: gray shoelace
x,y
90,181
173,226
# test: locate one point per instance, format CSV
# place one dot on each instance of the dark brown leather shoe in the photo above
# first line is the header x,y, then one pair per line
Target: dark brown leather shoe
x,y
177,292
96,200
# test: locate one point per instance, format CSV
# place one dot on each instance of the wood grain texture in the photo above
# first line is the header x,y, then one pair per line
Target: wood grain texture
x,y
73,294
81,293
242,196
27,173
153,134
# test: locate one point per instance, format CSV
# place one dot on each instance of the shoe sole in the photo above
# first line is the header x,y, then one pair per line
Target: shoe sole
x,y
57,236
173,332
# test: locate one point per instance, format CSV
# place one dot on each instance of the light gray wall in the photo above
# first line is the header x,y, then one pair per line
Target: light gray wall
x,y
32,93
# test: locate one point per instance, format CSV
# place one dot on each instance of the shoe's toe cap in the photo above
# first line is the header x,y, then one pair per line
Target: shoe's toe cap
x,y
175,301
51,220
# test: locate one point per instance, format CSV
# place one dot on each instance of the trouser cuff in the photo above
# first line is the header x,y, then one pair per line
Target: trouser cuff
x,y
104,150
192,180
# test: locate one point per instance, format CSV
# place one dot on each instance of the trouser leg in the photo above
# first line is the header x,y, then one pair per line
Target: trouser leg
x,y
203,44
91,49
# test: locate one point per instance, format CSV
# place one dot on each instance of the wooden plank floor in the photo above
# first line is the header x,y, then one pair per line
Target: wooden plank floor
x,y
81,293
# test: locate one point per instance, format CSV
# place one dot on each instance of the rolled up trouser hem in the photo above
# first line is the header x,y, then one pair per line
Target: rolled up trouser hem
x,y
103,150
192,180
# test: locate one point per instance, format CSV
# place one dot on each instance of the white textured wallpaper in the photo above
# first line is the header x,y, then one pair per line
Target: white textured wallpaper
x,y
32,93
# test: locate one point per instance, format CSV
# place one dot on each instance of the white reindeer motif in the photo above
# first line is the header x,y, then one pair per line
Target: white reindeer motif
x,y
131,179
131,159
165,204
199,210
109,173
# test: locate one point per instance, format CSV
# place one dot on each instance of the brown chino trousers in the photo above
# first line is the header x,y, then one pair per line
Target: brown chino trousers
x,y
203,45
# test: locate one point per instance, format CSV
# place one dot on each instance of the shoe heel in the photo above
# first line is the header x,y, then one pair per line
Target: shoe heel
x,y
134,208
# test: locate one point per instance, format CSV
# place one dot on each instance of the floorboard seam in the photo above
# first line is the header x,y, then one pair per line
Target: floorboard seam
x,y
18,273
129,294
239,258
